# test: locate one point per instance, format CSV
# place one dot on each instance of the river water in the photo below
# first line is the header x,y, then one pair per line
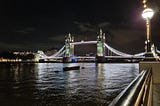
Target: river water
x,y
46,84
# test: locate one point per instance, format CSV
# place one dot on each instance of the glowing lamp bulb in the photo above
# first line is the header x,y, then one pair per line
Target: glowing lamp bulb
x,y
147,13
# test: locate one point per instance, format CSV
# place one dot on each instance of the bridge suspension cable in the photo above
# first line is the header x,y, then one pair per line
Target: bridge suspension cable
x,y
57,54
42,55
116,51
140,54
158,51
61,54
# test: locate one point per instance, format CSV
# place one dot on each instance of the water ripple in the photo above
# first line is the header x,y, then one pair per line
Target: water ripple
x,y
46,84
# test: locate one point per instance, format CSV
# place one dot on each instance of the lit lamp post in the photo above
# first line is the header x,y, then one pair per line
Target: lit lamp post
x,y
147,14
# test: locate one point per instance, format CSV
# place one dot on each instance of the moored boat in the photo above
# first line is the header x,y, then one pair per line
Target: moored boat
x,y
71,68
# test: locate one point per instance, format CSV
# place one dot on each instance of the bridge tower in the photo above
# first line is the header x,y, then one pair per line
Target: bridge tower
x,y
67,45
69,48
100,46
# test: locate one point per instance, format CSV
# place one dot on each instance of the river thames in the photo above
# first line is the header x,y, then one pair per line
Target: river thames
x,y
46,84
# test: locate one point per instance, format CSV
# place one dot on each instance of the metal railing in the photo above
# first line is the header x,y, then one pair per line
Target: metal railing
x,y
137,93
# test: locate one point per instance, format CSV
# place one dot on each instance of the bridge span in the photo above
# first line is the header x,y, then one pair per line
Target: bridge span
x,y
104,52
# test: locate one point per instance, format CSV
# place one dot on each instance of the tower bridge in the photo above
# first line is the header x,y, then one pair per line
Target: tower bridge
x,y
143,90
104,52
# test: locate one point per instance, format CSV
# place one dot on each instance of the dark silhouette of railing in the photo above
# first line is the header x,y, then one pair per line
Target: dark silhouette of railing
x,y
137,93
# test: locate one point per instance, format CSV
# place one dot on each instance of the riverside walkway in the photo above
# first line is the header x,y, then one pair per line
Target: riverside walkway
x,y
155,80
144,90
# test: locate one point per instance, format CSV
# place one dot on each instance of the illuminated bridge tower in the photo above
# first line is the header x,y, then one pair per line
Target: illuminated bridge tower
x,y
69,49
100,47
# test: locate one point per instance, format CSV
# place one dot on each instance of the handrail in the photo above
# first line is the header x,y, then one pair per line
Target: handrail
x,y
137,92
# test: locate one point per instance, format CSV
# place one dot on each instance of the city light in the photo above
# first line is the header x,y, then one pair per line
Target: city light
x,y
147,13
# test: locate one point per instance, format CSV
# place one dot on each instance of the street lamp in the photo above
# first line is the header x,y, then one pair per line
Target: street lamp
x,y
147,14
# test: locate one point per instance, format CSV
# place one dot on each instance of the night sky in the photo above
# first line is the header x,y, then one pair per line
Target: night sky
x,y
43,24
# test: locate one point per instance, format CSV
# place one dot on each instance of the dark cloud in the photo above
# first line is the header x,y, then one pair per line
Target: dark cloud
x,y
104,25
85,27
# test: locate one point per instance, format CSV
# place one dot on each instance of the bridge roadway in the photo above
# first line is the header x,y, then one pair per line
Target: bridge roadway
x,y
93,59
121,59
125,57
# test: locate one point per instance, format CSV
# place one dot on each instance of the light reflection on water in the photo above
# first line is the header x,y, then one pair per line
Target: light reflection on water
x,y
46,84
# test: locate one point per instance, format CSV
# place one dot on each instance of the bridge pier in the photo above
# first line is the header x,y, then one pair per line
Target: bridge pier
x,y
66,59
100,59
